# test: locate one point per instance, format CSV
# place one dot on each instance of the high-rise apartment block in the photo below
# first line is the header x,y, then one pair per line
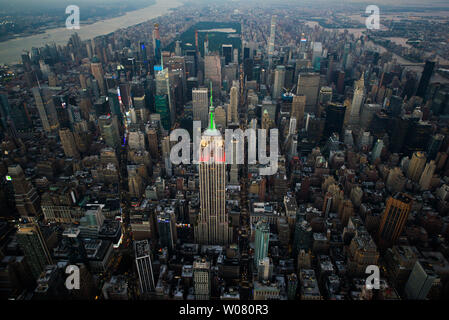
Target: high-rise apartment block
x,y
394,217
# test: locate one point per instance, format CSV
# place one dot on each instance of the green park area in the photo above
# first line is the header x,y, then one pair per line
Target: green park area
x,y
219,33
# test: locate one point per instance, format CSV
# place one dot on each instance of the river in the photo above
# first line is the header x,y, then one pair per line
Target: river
x,y
11,50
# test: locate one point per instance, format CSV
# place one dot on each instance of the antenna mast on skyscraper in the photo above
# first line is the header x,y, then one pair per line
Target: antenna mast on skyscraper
x,y
211,110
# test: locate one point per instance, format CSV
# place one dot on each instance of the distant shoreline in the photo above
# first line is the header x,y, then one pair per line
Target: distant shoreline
x,y
11,50
52,26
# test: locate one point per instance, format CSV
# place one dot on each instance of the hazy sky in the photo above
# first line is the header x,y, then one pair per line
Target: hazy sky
x,y
42,5
385,2
394,3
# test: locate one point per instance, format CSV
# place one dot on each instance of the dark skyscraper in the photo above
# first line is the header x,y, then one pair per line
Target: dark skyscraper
x,y
395,106
166,224
26,196
157,44
434,146
341,82
227,53
418,136
335,115
33,245
114,103
425,79
143,54
397,131
5,110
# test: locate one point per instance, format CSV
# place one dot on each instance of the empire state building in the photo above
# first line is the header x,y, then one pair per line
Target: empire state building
x,y
213,226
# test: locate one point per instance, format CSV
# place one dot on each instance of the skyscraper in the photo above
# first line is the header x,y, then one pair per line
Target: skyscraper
x,y
425,79
292,286
395,180
395,107
427,175
377,150
166,223
153,143
58,111
143,54
32,243
327,204
213,223
357,101
292,127
220,117
97,72
298,107
114,103
25,195
394,217
434,146
416,166
136,139
162,108
165,148
157,43
178,49
68,143
233,115
212,72
164,98
262,238
42,109
109,130
266,122
206,45
201,279
345,211
341,82
303,236
308,85
335,115
279,79
325,96
200,101
144,266
135,182
264,269
421,280
317,55
227,52
417,136
5,111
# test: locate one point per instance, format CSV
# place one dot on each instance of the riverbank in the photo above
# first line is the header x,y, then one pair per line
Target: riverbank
x,y
11,50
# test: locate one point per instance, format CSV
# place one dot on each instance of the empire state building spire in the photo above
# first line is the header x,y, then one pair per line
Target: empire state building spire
x,y
211,111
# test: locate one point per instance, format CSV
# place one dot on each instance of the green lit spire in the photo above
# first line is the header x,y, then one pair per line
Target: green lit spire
x,y
211,110
211,100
